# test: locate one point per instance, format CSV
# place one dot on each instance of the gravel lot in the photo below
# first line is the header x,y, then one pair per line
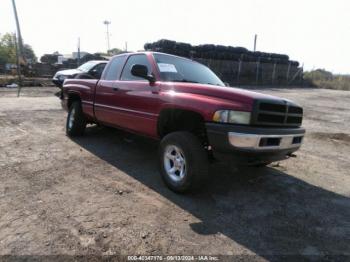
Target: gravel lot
x,y
101,194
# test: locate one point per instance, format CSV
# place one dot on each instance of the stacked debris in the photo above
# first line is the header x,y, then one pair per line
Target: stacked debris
x,y
49,63
236,65
73,62
217,52
52,59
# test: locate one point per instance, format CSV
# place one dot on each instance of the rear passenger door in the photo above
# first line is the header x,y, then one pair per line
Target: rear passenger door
x,y
107,93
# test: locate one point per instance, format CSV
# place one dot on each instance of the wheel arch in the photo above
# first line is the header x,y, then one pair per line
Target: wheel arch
x,y
178,119
72,97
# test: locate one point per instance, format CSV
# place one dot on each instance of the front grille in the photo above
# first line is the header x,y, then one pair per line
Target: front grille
x,y
277,113
273,107
294,119
295,110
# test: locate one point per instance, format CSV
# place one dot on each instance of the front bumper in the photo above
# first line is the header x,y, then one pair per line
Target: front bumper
x,y
57,82
253,145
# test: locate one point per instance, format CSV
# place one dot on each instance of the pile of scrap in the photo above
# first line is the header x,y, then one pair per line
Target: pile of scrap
x,y
72,62
236,65
12,81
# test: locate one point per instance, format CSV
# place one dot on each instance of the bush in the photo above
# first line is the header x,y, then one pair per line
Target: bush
x,y
325,79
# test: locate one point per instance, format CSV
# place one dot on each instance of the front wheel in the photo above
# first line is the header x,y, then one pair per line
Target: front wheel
x,y
262,164
76,122
183,161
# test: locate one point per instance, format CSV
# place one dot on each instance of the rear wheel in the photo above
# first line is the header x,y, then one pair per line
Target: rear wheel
x,y
183,161
76,122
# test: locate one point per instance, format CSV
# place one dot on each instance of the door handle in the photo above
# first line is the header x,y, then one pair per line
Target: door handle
x,y
115,88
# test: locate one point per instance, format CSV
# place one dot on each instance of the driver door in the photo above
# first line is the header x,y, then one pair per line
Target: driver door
x,y
137,101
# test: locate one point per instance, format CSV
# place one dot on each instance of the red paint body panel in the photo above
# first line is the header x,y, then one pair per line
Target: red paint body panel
x,y
136,105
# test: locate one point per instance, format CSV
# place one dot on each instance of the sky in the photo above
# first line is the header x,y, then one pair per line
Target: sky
x,y
315,33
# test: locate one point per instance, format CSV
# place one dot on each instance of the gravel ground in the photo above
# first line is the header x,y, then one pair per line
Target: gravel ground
x,y
101,194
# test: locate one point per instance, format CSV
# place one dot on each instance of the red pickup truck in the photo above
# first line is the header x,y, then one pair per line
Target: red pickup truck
x,y
189,109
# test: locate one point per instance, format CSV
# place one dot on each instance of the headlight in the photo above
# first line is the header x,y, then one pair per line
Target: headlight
x,y
62,77
233,117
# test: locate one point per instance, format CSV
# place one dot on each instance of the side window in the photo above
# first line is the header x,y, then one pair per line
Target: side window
x,y
135,60
98,70
116,65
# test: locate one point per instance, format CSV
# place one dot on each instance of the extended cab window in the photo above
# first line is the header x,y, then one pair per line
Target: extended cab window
x,y
113,70
135,60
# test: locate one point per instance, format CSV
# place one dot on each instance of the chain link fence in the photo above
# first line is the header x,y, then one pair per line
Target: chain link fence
x,y
254,73
237,65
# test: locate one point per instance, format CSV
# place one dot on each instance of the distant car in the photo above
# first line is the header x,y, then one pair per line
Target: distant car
x,y
91,69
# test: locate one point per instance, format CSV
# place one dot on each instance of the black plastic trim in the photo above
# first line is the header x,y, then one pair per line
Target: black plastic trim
x,y
222,149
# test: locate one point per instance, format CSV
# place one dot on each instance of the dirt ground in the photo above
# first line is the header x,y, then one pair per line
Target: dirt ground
x,y
101,194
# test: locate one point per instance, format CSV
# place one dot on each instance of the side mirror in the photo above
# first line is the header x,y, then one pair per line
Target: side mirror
x,y
227,84
142,71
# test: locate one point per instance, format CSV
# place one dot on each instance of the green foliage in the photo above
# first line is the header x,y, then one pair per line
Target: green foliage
x,y
324,79
115,51
29,53
8,50
3,56
49,58
318,74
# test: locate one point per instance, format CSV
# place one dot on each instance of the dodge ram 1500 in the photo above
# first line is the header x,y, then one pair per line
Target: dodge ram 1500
x,y
189,109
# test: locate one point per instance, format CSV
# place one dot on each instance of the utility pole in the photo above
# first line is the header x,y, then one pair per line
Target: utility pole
x,y
18,66
107,23
78,60
255,40
19,47
19,35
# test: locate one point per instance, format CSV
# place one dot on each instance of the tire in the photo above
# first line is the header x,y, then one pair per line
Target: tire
x,y
262,164
186,146
76,122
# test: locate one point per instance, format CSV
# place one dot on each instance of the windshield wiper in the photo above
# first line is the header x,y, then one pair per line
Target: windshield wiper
x,y
185,81
214,84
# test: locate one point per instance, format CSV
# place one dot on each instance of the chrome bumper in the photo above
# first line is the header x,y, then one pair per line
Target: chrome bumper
x,y
264,142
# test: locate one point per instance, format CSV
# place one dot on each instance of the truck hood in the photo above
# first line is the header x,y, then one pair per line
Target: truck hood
x,y
225,93
68,72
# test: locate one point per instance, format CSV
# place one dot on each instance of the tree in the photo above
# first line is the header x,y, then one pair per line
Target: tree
x,y
115,51
8,50
318,74
29,53
49,58
3,55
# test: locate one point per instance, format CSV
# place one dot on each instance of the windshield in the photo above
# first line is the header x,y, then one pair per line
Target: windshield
x,y
87,66
177,69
